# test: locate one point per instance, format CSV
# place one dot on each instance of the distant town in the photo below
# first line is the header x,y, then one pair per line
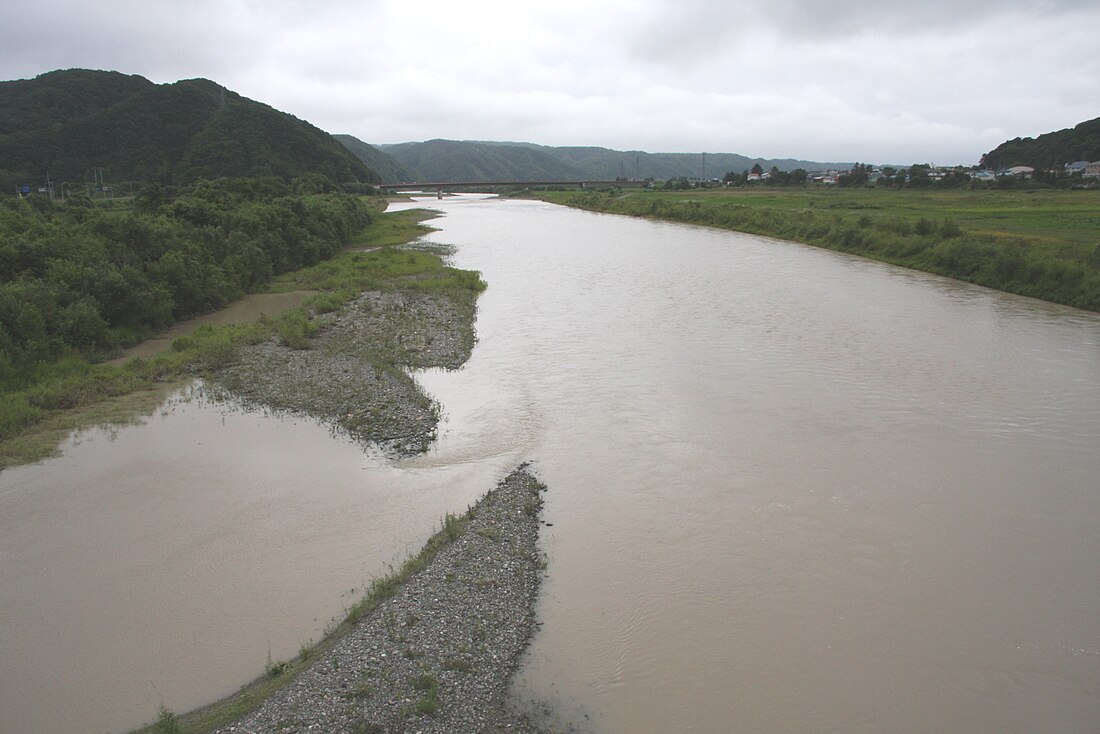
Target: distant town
x,y
1082,173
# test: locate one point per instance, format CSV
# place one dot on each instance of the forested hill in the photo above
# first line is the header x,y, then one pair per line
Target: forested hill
x,y
384,165
453,160
68,122
1055,149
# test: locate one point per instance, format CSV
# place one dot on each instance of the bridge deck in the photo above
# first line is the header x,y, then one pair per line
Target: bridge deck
x,y
441,185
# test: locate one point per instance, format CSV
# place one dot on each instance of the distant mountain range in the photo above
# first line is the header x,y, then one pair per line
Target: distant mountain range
x,y
67,123
475,161
1054,149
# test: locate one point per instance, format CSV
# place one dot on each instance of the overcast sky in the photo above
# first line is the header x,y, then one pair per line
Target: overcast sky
x,y
888,81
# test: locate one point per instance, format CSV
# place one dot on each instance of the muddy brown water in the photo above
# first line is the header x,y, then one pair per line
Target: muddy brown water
x,y
791,491
243,311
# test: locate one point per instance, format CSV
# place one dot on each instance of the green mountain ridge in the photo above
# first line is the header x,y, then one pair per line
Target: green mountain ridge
x,y
466,160
385,166
66,123
1049,150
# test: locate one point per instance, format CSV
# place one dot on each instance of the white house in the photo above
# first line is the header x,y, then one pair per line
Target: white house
x,y
1092,170
1076,167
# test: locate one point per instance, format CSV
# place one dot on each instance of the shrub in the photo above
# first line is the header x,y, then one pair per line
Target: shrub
x,y
295,329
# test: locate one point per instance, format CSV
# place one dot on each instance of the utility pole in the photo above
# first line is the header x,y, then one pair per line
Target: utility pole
x,y
704,166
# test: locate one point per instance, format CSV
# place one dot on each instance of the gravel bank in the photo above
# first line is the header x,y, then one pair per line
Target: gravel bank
x,y
438,655
354,375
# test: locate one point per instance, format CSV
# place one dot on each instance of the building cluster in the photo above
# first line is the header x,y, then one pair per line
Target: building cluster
x,y
1085,169
887,174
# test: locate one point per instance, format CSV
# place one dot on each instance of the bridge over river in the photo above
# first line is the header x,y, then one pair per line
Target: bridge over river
x,y
440,186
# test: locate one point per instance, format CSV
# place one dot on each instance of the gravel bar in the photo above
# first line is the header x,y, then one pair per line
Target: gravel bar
x,y
355,375
438,655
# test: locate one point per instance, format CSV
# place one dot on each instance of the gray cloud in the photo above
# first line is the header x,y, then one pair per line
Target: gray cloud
x,y
886,80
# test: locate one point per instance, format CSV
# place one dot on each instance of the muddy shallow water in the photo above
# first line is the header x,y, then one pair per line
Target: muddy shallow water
x,y
247,309
163,563
790,490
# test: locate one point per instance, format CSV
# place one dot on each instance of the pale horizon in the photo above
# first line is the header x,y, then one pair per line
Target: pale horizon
x,y
889,82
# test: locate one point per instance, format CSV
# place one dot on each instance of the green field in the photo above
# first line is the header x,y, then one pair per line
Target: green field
x,y
1060,216
1043,243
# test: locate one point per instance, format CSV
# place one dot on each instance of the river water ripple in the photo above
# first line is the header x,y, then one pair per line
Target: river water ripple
x,y
790,490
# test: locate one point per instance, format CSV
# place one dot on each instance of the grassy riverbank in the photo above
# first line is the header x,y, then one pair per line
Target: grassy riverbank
x,y
74,393
1043,243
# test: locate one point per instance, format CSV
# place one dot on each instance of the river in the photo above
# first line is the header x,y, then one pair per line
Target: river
x,y
790,490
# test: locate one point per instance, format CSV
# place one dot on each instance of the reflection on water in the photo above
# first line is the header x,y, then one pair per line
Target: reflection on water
x,y
790,491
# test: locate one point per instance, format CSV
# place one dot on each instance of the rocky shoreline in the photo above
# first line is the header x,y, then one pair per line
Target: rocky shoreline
x,y
354,375
438,655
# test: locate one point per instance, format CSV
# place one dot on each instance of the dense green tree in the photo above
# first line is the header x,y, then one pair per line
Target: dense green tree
x,y
84,279
857,176
1050,150
917,175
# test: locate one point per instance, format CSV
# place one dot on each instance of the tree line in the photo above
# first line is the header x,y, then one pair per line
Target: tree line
x,y
83,277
